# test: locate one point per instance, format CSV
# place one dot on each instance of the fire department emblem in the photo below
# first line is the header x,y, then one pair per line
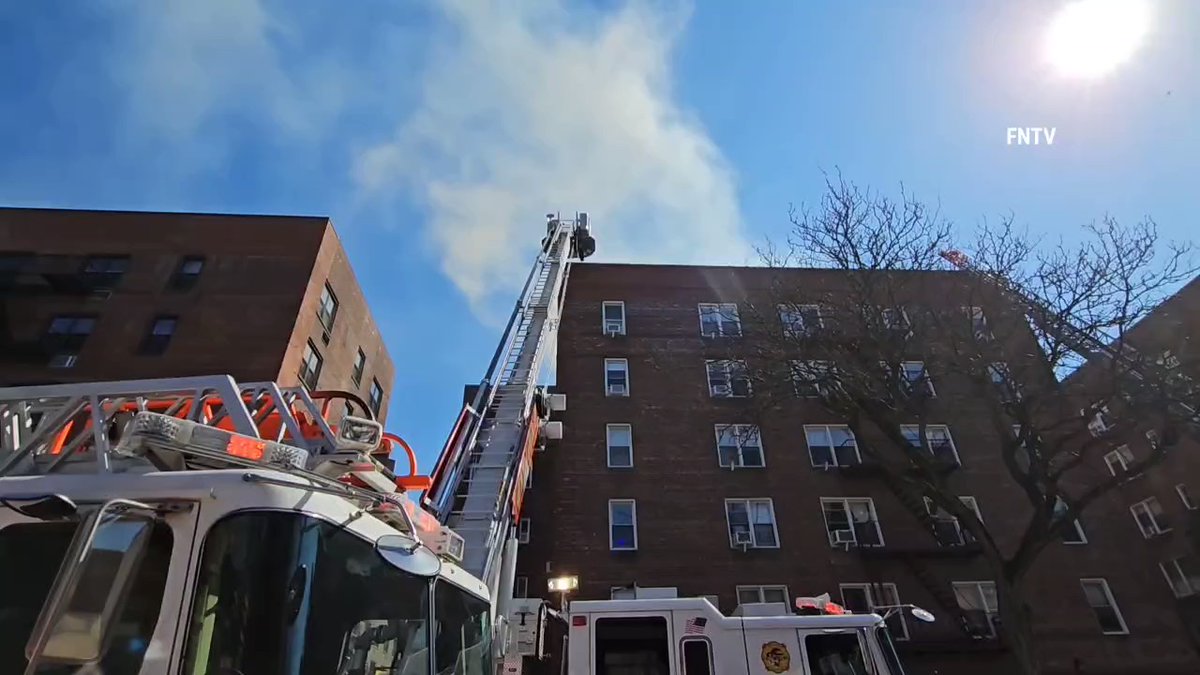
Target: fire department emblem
x,y
775,657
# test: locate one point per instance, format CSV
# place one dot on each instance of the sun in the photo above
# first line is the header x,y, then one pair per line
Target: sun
x,y
1090,38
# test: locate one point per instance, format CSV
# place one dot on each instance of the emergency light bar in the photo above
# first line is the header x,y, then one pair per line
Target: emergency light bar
x,y
153,431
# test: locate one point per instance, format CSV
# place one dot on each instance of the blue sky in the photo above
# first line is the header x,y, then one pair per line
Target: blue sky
x,y
436,133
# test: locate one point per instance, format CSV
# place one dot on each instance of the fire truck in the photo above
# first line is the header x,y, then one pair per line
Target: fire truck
x,y
202,526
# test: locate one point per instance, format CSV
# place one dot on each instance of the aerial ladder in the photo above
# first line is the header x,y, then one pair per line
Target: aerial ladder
x,y
1179,389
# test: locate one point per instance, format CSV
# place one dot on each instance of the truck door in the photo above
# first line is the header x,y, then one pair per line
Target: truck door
x,y
771,651
632,644
835,652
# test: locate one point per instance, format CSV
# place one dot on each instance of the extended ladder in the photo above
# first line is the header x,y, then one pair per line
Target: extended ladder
x,y
481,478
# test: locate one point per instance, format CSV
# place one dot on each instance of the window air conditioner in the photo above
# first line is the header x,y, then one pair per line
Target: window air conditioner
x,y
616,390
742,539
722,390
844,538
613,328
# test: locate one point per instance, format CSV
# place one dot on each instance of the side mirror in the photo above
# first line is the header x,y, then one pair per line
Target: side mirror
x,y
92,585
409,555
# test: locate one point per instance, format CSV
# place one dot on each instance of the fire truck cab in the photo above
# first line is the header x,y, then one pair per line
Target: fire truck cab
x,y
688,636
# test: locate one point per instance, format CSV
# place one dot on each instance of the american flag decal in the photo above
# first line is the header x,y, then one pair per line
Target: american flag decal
x,y
695,626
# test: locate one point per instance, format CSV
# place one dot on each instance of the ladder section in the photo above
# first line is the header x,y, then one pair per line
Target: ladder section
x,y
480,511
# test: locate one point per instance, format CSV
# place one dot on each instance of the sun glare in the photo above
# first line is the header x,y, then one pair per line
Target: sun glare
x,y
1091,38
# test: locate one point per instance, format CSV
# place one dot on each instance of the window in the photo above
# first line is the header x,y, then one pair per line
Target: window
x,y
864,598
977,600
800,320
375,397
895,319
1022,453
751,523
851,522
1073,534
979,324
616,377
1002,378
1118,460
946,528
612,317
835,654
916,378
327,312
1152,438
622,525
1099,419
521,587
529,478
1167,360
310,365
104,271
620,446
360,364
1185,497
1183,575
728,379
65,338
738,445
1100,598
749,595
813,378
1150,517
161,331
33,552
720,320
697,657
188,272
523,526
358,608
941,445
831,445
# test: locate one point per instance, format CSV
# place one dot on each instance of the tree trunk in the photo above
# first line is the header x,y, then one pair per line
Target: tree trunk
x,y
1016,623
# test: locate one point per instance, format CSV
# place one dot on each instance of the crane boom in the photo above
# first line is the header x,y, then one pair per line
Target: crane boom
x,y
479,480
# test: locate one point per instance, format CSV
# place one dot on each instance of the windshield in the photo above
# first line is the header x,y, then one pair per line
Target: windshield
x,y
286,594
30,557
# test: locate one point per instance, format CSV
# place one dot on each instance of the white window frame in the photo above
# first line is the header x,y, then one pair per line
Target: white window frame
x,y
622,365
633,516
1006,384
872,602
1145,507
916,429
523,527
992,613
1186,584
741,433
1112,602
797,311
608,445
604,320
925,378
984,332
761,590
725,365
811,373
1120,455
1078,528
1182,490
845,504
726,313
521,587
886,314
963,534
749,503
828,429
1098,422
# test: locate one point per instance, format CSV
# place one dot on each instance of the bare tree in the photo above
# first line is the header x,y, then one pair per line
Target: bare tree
x,y
998,338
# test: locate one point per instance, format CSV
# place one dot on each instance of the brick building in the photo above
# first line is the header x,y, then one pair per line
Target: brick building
x,y
107,295
639,497
1160,509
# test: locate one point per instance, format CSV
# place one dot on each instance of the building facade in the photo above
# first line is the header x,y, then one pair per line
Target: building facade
x,y
107,295
642,495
